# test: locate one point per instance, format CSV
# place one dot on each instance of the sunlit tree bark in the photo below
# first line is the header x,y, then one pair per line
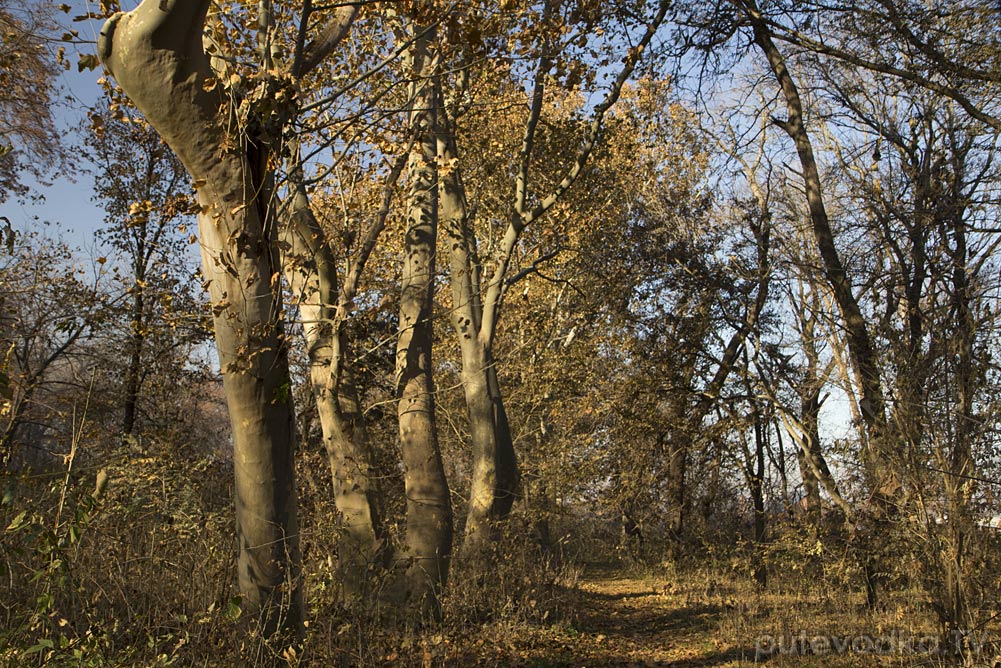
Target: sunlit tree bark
x,y
155,53
429,507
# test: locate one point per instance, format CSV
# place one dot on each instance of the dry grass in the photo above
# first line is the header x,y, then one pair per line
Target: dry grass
x,y
144,577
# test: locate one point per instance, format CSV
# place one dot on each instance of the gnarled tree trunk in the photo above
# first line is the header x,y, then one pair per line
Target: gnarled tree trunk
x,y
155,53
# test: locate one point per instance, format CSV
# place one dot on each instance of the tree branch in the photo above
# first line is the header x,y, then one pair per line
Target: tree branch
x,y
496,287
330,37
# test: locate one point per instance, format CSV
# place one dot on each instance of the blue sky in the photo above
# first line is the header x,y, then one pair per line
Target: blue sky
x,y
67,199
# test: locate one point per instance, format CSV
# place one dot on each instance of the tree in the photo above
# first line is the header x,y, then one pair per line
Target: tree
x,y
429,506
256,224
479,284
923,188
49,308
168,75
28,137
142,187
612,340
877,448
882,339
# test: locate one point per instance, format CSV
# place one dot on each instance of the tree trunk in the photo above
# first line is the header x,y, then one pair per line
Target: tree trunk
x,y
812,464
508,476
357,494
429,509
133,374
878,451
155,53
541,509
860,347
959,485
311,271
810,417
756,480
677,498
495,478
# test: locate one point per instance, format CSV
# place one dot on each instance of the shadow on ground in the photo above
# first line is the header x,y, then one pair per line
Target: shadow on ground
x,y
621,623
642,622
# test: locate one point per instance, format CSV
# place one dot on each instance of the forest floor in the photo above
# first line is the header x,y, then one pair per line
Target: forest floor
x,y
623,620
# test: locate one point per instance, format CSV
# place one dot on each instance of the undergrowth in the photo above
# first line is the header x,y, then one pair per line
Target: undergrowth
x,y
128,560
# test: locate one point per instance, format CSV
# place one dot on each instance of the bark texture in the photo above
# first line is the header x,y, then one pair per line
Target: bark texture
x,y
311,272
495,477
429,508
155,53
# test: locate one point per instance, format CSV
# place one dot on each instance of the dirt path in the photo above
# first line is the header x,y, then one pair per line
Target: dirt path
x,y
622,621
619,621
642,622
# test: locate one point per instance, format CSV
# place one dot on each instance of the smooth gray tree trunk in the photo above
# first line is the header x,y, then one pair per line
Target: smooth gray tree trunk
x,y
495,479
311,273
155,53
428,500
